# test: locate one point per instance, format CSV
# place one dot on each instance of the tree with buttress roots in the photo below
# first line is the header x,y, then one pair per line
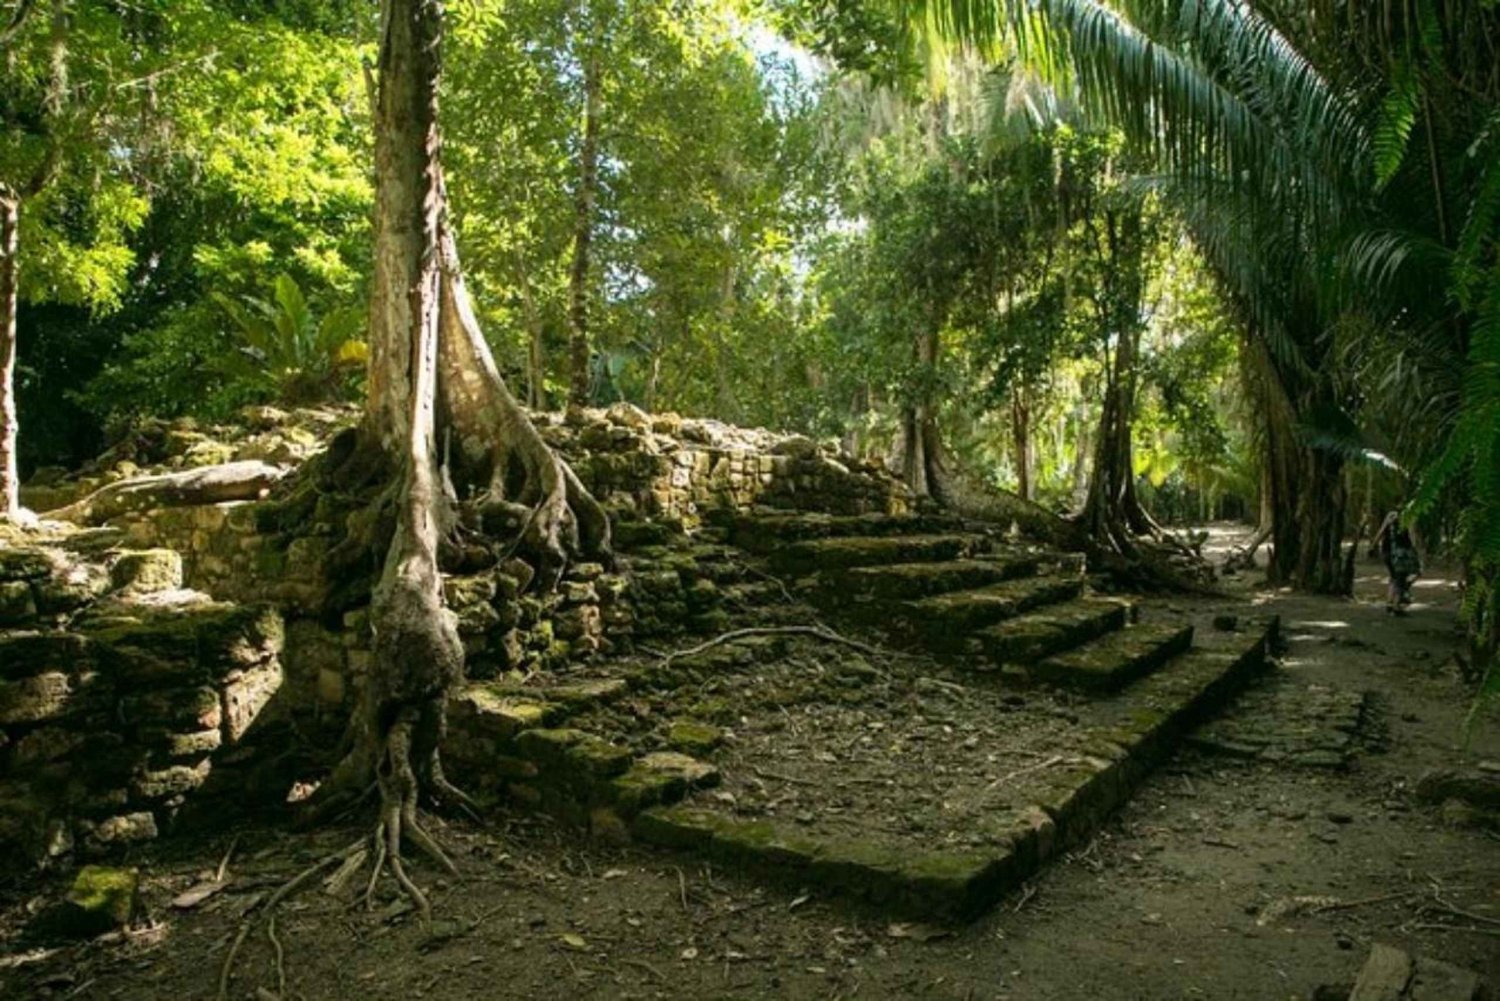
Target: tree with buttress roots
x,y
453,446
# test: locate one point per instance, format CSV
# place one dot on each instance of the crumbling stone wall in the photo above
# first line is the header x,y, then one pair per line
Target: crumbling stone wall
x,y
121,694
126,692
662,477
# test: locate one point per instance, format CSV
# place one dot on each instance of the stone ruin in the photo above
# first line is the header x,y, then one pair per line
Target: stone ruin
x,y
992,709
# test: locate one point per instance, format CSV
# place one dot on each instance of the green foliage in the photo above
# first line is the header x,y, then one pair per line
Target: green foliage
x,y
287,353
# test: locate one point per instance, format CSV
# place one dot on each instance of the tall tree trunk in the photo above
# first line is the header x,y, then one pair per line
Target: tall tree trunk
x,y
1112,513
1020,427
728,401
432,376
921,449
535,364
1081,458
10,483
583,229
1304,485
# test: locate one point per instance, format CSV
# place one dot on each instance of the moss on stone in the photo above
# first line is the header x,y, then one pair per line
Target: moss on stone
x,y
693,737
101,899
147,570
598,758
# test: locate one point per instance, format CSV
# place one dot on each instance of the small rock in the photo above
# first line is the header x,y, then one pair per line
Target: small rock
x,y
1341,816
101,899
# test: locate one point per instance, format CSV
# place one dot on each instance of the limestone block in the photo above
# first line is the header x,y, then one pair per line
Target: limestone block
x,y
147,570
126,828
628,415
23,563
198,708
17,604
32,700
174,780
48,743
101,899
246,695
192,744
40,652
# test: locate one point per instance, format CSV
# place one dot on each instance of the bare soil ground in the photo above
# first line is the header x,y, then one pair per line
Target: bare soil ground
x,y
1227,876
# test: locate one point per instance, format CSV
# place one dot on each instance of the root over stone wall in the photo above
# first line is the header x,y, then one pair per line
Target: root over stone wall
x,y
126,699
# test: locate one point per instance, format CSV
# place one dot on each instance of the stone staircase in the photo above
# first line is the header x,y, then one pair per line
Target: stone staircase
x,y
936,584
1019,711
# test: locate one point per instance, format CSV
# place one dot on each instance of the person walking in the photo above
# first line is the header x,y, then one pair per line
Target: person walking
x,y
1402,561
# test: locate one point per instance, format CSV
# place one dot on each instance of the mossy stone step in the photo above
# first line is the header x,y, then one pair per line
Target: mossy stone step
x,y
1116,743
1114,660
946,619
950,885
813,555
1026,639
764,532
907,581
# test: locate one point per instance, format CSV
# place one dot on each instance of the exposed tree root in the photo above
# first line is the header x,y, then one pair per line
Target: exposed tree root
x,y
1243,557
498,447
469,466
285,890
818,632
231,481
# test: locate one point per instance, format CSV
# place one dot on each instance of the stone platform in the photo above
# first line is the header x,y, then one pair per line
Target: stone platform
x,y
927,781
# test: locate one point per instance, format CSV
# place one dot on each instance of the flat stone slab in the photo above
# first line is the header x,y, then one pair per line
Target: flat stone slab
x,y
1030,638
929,798
945,619
1114,660
1392,975
764,531
903,581
1283,722
814,555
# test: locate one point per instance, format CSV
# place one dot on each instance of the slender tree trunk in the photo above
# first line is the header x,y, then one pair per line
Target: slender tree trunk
x,y
1020,426
1082,450
728,401
921,462
583,230
10,483
1112,511
535,362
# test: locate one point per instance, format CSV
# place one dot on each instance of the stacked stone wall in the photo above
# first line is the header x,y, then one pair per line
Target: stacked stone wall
x,y
121,694
125,690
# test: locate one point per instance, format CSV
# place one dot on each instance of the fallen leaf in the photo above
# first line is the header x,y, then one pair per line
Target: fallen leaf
x,y
198,893
917,932
573,941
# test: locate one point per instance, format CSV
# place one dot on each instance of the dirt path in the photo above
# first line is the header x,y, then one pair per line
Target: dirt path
x,y
1188,893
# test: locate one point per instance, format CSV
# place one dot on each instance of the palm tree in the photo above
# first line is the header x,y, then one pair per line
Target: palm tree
x,y
1339,165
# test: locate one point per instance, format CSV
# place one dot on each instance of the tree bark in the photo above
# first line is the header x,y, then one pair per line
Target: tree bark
x,y
1304,485
535,363
10,482
432,378
1112,513
1020,427
921,449
583,228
